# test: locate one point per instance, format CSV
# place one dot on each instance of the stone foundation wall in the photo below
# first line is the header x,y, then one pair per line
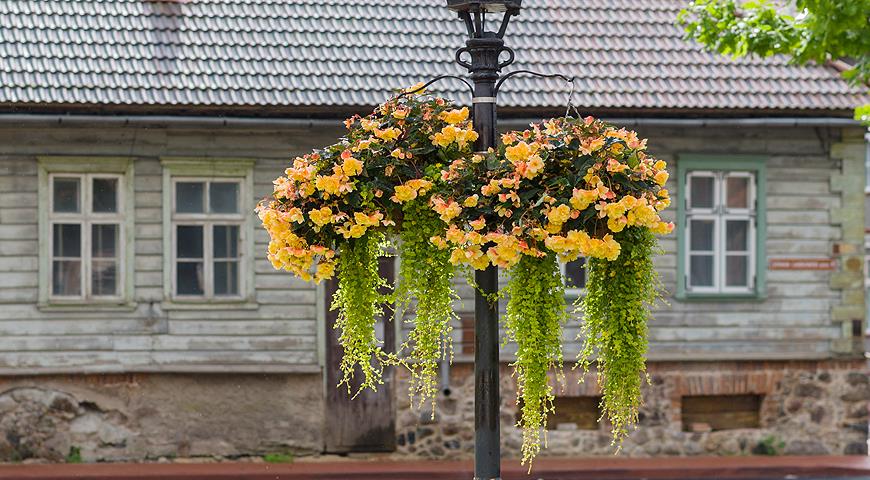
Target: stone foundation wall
x,y
140,416
807,408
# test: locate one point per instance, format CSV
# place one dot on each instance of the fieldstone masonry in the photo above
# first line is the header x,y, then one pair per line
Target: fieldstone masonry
x,y
808,408
142,416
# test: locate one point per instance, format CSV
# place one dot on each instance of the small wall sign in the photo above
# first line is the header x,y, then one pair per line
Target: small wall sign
x,y
801,264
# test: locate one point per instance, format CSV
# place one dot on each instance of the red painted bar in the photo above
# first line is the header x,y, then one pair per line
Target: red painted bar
x,y
719,468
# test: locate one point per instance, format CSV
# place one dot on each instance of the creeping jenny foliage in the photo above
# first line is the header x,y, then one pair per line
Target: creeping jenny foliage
x,y
425,274
359,306
535,314
616,307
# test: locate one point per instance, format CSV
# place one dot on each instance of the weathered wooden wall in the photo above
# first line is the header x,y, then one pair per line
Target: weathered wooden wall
x,y
279,335
795,321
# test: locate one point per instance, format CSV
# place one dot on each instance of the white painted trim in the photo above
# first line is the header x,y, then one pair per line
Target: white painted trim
x,y
207,170
720,214
86,169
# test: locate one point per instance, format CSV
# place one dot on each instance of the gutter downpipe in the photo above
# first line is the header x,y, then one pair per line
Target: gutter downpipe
x,y
309,123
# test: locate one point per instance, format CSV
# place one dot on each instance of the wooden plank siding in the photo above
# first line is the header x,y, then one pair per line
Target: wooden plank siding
x,y
279,332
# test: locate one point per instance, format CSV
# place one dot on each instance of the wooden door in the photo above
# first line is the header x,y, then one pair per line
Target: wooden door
x,y
366,423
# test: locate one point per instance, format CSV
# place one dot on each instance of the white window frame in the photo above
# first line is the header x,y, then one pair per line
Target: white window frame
x,y
207,221
572,292
720,214
85,169
207,170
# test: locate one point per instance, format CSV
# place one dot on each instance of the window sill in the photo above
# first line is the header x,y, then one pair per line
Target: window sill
x,y
61,307
209,304
721,297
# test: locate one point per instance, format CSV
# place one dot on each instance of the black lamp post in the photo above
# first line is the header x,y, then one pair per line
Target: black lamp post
x,y
485,47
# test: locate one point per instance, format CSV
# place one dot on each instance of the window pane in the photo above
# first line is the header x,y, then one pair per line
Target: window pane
x,y
737,235
701,270
226,278
104,277
701,235
67,240
66,195
575,273
701,192
104,241
736,269
189,197
66,276
224,197
189,241
189,278
226,241
737,192
105,195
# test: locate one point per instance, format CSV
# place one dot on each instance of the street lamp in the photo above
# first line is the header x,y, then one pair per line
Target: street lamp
x,y
484,47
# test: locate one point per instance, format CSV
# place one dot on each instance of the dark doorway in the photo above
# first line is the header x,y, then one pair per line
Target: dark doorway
x,y
366,423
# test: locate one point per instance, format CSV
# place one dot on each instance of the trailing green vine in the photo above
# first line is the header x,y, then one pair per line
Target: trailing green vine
x,y
359,306
535,315
615,312
425,275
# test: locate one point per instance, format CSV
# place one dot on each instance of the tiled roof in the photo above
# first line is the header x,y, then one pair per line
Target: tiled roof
x,y
626,54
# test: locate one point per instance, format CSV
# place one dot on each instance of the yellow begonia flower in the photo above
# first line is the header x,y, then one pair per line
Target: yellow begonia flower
x,y
660,165
643,215
519,152
324,271
478,224
368,125
294,215
662,228
321,216
559,215
404,193
400,113
471,201
661,177
534,166
328,183
368,220
455,116
388,134
439,242
413,88
447,210
581,199
616,224
351,166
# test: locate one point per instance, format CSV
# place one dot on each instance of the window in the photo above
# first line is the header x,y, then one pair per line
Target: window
x,y
704,413
84,222
208,233
721,226
85,225
574,274
207,222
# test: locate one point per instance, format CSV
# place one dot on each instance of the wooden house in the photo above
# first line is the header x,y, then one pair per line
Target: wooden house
x,y
140,319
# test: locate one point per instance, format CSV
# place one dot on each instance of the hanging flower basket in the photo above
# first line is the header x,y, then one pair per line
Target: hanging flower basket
x,y
338,207
565,188
406,176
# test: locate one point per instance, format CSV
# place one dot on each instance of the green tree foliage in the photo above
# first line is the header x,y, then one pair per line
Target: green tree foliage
x,y
805,30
